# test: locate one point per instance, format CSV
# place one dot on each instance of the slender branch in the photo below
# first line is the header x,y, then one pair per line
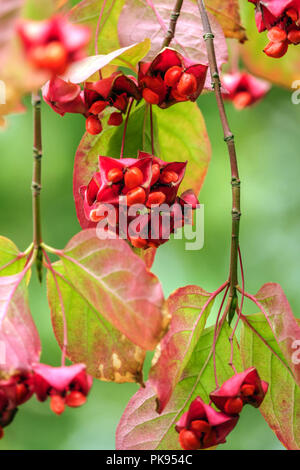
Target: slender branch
x,y
229,139
173,21
37,181
215,335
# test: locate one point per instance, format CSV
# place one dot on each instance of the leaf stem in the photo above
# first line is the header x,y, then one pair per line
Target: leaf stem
x,y
173,21
151,130
125,128
37,181
229,139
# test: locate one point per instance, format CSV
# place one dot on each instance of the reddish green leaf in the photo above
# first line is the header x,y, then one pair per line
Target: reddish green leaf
x,y
92,340
282,321
87,12
19,338
138,20
11,260
81,70
281,406
186,309
117,284
141,428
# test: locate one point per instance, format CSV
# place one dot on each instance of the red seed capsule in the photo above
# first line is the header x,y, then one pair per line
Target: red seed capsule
x,y
115,175
188,440
155,173
115,119
98,107
242,99
21,393
138,242
75,399
210,439
53,57
173,75
168,177
136,196
292,14
187,85
233,406
276,49
248,390
133,178
150,96
276,34
199,426
1,433
93,125
156,199
57,404
294,36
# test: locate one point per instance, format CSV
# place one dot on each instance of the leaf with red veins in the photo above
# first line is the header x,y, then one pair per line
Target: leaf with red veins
x,y
138,20
283,322
280,407
141,428
92,340
17,329
116,283
188,309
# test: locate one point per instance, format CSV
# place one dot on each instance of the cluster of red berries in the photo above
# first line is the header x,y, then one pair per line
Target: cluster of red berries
x,y
244,89
52,45
168,79
282,20
202,427
66,386
146,181
113,92
171,78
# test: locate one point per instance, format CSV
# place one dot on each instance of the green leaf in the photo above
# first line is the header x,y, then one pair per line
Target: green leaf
x,y
141,428
183,136
188,310
118,285
10,257
92,340
281,406
87,12
82,70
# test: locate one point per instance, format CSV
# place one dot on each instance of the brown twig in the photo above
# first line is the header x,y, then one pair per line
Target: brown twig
x,y
229,139
173,22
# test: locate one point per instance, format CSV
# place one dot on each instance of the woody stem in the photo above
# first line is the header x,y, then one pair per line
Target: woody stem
x,y
36,181
229,139
173,21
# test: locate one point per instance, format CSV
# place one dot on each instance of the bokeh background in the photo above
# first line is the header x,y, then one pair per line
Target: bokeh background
x,y
268,149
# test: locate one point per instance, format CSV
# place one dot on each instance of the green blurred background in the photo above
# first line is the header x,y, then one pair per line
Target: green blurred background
x,y
268,150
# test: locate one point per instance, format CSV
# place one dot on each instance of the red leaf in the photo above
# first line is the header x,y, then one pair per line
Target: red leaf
x,y
285,328
188,309
17,330
117,284
138,20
